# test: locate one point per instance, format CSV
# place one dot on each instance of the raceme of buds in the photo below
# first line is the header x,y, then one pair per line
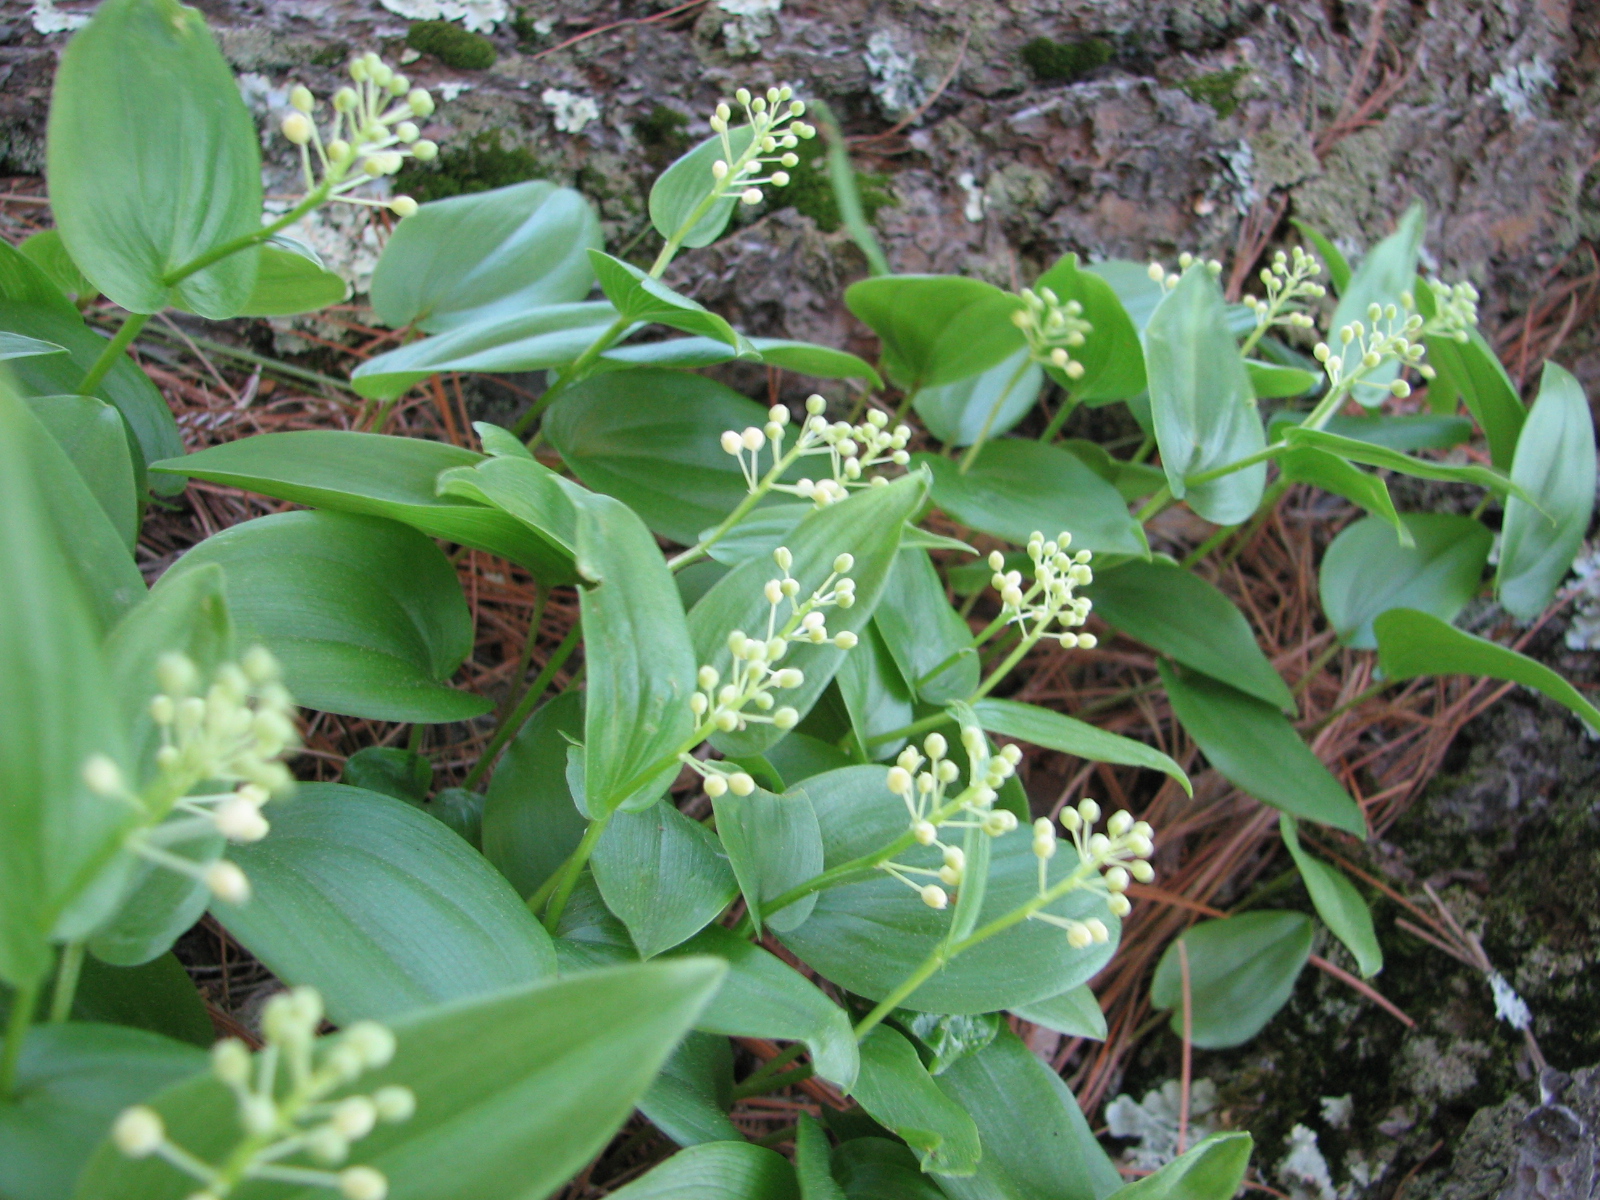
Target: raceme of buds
x,y
1052,329
299,1117
370,136
1050,597
1169,279
775,131
1289,284
1391,334
1107,863
852,451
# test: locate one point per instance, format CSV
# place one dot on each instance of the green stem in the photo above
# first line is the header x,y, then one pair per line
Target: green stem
x,y
988,421
905,404
571,373
1000,672
1146,448
66,988
23,1001
1155,504
571,869
519,716
1358,699
757,1081
1316,666
1207,546
1069,404
254,238
742,510
115,348
540,600
1250,460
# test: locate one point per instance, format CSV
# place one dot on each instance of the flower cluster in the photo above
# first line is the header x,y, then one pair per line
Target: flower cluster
x,y
775,130
279,1123
234,735
1289,283
852,450
1455,308
1113,859
1050,598
1052,329
1391,338
924,782
365,140
1169,279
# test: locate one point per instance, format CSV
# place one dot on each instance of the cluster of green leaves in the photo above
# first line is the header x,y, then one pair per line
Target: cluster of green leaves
x,y
527,1041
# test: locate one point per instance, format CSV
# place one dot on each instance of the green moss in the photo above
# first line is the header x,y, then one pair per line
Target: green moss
x,y
663,132
1062,62
451,45
333,54
482,164
810,191
527,31
1216,89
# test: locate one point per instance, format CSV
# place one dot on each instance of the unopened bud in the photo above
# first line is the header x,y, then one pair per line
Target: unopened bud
x,y
934,896
425,151
363,1183
741,784
924,832
300,97
297,128
227,882
394,1103
716,786
403,206
138,1131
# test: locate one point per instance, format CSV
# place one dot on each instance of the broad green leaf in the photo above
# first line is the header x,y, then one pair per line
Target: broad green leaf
x,y
72,1081
515,1091
390,771
896,1089
588,935
820,362
49,253
773,843
1241,971
984,405
689,1100
868,526
1181,615
1306,464
641,668
949,1038
1112,359
1016,486
1470,371
459,810
532,495
803,358
797,757
1388,271
652,439
365,615
1392,460
1201,399
1332,259
1268,381
484,256
15,345
875,695
153,159
1412,643
1365,572
868,936
874,1168
923,633
762,996
638,297
1213,1170
56,836
1036,1143
394,477
379,907
936,329
1133,481
1075,1012
1254,747
530,824
1337,902
682,188
290,279
811,1162
551,336
158,996
730,1170
1555,464
501,443
1055,731
92,435
1418,431
663,874
1136,291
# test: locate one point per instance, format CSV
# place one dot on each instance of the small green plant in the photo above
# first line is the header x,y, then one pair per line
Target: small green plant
x,y
1217,89
452,45
1065,62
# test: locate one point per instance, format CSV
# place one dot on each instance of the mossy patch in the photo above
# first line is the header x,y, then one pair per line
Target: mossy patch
x,y
452,45
810,190
479,166
664,134
1217,89
1062,62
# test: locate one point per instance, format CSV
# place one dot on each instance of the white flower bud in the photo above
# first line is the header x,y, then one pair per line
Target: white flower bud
x,y
716,786
339,152
1098,930
227,882
726,721
1087,641
1099,845
1117,879
1089,811
138,1131
297,128
741,784
954,857
230,1062
924,832
1079,937
1121,821
363,1183
948,771
372,1041
789,677
425,151
780,178
843,564
899,782
394,1103
1070,820
935,745
238,820
750,196
1119,905
1140,845
732,443
773,591
752,438
786,718
102,776
844,639
950,876
354,1117
1141,870
777,647
258,1116
935,896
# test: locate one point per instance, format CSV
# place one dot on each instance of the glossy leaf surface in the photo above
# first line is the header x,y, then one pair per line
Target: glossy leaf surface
x,y
896,1089
987,404
1056,731
1365,572
663,874
1337,902
1241,971
732,1170
773,843
936,329
530,824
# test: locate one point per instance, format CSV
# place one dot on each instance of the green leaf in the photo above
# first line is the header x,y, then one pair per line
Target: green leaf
x,y
55,711
485,256
689,1100
1241,971
641,669
811,1162
551,336
949,1038
158,996
651,439
1036,1143
936,328
92,435
1305,464
896,1089
1412,643
1254,747
1179,614
290,278
72,1081
1365,573
1337,902
1555,464
516,1091
1419,431
536,498
1472,371
1392,460
663,874
1075,1013
803,358
1113,360
390,771
49,253
819,362
153,159
773,843
1136,291
1054,731
870,935
1201,400
638,297
875,695
530,824
684,186
1016,486
379,907
873,1168
1322,246
717,1171
764,997
924,633
395,477
15,345
867,525
1269,381
797,757
984,405
501,443
1213,1170
1388,271
365,615
1133,481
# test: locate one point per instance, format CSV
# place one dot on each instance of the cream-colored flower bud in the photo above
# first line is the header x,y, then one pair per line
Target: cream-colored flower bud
x,y
102,776
425,151
1400,389
741,784
227,882
1087,641
786,718
345,100
845,640
1117,879
397,84
791,587
789,677
752,438
777,647
935,745
924,832
240,821
403,206
1119,823
773,591
1088,810
1098,930
750,196
230,1062
1119,905
732,443
354,1117
950,876
297,128
935,896
1140,845
994,823
1079,937
258,1116
716,785
407,132
954,857
394,1103
300,97
1141,870
138,1131
1156,272
339,152
1099,845
899,781
363,1183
